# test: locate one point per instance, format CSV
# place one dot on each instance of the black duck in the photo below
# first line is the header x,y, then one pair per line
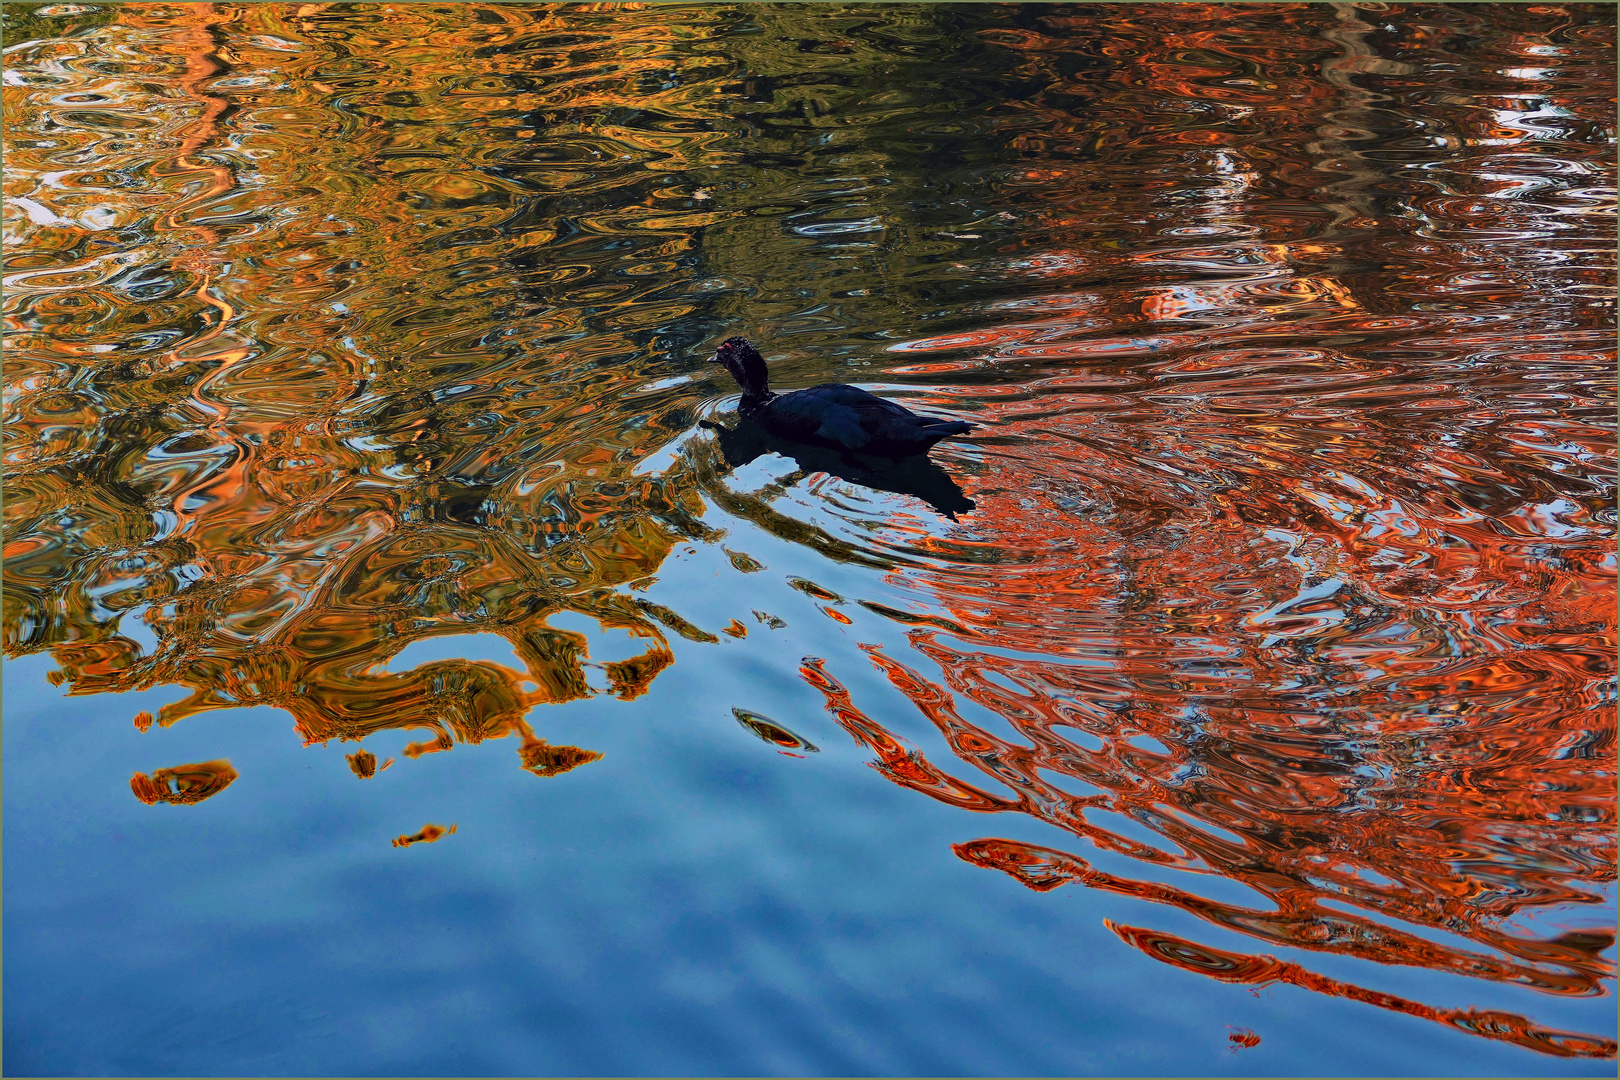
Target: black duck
x,y
833,414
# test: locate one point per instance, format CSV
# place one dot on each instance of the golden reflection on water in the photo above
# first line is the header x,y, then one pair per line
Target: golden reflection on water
x,y
1289,556
183,785
428,834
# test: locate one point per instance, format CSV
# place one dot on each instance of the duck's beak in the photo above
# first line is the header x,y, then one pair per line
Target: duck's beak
x,y
715,359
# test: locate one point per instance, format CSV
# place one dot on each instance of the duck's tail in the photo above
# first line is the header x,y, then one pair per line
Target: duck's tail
x,y
944,429
930,433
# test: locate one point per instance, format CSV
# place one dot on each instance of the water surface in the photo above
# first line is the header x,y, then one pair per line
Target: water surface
x,y
1238,699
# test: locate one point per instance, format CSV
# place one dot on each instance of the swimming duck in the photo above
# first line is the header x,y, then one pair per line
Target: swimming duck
x,y
833,414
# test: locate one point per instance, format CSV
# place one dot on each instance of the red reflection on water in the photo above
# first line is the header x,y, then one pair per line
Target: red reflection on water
x,y
1293,561
1301,878
1267,970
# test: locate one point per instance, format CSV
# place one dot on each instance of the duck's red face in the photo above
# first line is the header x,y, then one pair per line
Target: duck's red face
x,y
745,364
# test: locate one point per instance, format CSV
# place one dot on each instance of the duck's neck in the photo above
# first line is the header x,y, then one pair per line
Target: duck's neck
x,y
754,400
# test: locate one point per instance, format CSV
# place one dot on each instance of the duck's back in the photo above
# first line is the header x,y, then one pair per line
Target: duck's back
x,y
836,414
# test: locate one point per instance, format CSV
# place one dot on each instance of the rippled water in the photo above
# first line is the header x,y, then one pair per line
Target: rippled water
x,y
354,374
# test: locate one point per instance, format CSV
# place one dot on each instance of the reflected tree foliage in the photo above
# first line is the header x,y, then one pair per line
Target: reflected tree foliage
x,y
1284,548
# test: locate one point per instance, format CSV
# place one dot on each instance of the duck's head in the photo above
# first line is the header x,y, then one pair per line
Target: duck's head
x,y
745,364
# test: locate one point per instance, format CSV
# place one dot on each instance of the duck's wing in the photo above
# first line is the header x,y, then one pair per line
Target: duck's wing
x,y
839,414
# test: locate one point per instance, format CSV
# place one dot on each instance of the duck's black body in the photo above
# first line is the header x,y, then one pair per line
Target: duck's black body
x,y
834,414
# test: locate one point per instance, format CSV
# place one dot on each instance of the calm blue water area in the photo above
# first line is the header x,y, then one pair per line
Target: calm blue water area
x,y
693,903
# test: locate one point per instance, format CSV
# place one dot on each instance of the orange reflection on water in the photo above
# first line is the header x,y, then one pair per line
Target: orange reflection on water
x,y
1294,558
428,834
183,785
330,447
1289,838
333,329
1267,970
364,764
